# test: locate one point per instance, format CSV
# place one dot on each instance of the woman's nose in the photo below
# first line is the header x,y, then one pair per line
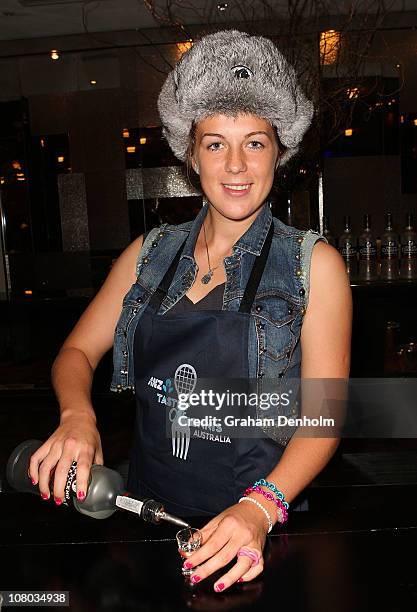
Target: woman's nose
x,y
235,161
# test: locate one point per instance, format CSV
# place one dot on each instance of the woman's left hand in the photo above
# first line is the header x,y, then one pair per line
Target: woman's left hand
x,y
240,525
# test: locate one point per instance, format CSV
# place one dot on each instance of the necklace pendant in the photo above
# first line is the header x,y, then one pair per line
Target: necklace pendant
x,y
207,277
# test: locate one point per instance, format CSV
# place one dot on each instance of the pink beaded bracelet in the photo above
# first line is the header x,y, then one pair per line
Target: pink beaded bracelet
x,y
281,510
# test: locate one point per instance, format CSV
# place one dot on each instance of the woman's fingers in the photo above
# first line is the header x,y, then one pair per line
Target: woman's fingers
x,y
45,469
214,538
84,463
217,560
77,441
61,476
36,459
241,568
253,572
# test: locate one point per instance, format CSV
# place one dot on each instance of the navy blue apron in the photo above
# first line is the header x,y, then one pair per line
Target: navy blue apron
x,y
193,470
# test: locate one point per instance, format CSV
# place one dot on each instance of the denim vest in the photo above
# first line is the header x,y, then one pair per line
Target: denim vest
x,y
277,313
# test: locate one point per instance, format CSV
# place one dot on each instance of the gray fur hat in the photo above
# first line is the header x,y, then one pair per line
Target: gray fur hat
x,y
230,71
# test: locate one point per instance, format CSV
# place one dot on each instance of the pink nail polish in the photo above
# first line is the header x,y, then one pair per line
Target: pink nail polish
x,y
195,579
33,481
187,565
58,501
81,495
240,579
44,496
219,587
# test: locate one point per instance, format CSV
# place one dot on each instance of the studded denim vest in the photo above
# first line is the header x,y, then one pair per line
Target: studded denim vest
x,y
277,313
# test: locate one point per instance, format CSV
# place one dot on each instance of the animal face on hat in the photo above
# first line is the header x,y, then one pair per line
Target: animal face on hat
x,y
229,72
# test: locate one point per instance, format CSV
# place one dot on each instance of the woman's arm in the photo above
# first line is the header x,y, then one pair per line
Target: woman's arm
x,y
325,349
325,343
77,438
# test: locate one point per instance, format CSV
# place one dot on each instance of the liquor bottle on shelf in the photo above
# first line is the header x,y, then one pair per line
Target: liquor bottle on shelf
x,y
389,251
367,252
347,248
408,241
327,233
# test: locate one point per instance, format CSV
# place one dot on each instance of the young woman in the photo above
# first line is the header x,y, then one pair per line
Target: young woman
x,y
233,294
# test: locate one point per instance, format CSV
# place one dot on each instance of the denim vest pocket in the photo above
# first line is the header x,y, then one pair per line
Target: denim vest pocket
x,y
274,314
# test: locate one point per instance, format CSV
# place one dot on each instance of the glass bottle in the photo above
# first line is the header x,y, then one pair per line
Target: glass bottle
x,y
389,251
347,248
408,241
367,252
327,233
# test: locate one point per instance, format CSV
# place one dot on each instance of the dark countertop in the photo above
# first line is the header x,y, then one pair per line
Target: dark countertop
x,y
336,562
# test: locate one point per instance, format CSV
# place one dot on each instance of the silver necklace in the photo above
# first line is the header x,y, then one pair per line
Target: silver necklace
x,y
207,277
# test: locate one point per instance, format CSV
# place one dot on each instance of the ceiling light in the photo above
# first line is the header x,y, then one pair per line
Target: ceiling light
x,y
352,93
184,46
329,46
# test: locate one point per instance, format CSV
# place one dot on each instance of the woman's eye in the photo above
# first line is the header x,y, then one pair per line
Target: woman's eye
x,y
213,143
257,142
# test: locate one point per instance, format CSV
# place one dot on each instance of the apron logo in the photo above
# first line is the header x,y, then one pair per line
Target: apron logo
x,y
167,387
185,380
156,383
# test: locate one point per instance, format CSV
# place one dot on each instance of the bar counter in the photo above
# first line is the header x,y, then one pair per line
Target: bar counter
x,y
318,561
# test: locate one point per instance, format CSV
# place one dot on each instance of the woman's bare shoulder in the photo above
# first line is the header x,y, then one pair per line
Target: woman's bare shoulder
x,y
327,264
125,265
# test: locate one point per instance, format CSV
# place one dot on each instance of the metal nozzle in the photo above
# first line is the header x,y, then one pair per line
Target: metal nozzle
x,y
149,510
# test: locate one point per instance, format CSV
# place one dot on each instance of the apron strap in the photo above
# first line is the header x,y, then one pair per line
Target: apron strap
x,y
251,287
161,291
256,273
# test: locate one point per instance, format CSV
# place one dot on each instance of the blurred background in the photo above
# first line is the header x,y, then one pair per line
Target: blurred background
x,y
84,168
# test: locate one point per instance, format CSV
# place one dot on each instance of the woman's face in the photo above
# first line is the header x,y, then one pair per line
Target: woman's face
x,y
232,152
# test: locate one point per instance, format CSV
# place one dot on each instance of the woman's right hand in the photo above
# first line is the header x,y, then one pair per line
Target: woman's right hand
x,y
76,439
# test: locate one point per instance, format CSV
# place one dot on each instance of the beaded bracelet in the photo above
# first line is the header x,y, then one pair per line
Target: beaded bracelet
x,y
261,507
264,483
281,510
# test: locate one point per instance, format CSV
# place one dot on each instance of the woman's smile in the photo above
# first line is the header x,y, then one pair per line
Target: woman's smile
x,y
237,191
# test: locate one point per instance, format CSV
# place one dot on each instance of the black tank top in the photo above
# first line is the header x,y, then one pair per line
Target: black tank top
x,y
211,301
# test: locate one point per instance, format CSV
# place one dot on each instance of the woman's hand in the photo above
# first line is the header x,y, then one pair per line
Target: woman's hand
x,y
76,439
240,525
